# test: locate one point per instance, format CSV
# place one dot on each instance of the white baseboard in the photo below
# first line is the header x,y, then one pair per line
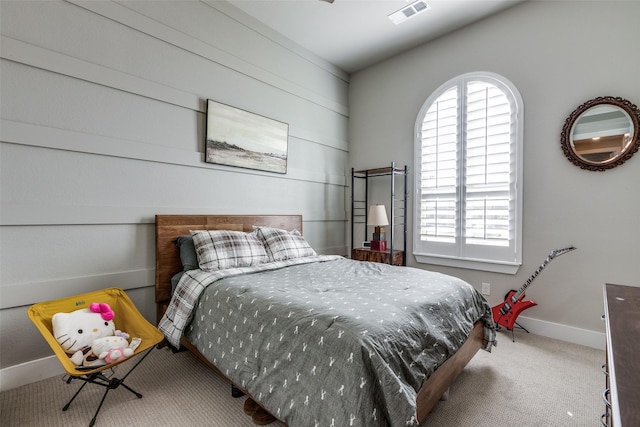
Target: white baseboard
x,y
36,370
29,372
564,333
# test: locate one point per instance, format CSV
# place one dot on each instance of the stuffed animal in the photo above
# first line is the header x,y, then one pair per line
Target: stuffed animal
x,y
103,350
111,349
114,355
76,331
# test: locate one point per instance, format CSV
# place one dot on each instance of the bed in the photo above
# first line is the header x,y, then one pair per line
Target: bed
x,y
320,340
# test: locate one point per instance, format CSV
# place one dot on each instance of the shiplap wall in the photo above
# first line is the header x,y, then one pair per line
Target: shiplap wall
x,y
103,121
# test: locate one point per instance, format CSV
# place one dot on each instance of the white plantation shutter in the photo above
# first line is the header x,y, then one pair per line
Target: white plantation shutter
x,y
468,156
439,169
488,165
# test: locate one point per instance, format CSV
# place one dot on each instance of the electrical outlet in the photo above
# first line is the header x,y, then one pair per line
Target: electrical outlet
x,y
486,289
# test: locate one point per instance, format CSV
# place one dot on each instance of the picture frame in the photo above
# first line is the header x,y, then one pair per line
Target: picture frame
x,y
239,138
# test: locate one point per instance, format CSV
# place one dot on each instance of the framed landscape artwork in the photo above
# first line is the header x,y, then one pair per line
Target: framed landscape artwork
x,y
239,138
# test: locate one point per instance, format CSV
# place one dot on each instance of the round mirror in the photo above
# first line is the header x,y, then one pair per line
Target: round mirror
x,y
601,133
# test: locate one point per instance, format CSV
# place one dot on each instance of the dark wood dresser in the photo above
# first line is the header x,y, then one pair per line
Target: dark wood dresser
x,y
622,318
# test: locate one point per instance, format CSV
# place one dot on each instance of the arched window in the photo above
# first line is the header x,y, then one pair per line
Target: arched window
x,y
468,180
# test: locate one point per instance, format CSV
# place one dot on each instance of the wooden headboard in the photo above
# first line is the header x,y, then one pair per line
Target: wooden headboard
x,y
169,227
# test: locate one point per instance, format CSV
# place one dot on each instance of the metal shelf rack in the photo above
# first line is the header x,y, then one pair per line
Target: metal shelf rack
x,y
398,205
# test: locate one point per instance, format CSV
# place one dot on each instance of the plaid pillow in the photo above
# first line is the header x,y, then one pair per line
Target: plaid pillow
x,y
222,249
282,244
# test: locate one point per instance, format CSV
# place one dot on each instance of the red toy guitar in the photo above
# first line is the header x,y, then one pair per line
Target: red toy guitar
x,y
506,313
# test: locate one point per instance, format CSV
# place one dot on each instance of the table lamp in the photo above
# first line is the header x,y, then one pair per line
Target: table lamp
x,y
378,218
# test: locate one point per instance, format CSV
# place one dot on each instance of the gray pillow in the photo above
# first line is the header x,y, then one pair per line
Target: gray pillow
x,y
188,255
174,281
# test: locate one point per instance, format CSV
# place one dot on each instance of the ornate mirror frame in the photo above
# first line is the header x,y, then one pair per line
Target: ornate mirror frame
x,y
630,141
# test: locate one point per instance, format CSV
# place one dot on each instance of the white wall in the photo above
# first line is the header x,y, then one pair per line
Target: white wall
x,y
103,121
559,54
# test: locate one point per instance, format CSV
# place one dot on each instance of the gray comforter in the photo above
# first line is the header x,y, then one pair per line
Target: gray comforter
x,y
335,343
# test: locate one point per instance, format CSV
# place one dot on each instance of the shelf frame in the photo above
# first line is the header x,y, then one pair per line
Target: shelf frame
x,y
393,172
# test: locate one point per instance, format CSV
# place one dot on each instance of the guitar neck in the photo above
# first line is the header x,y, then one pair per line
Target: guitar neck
x,y
530,280
550,257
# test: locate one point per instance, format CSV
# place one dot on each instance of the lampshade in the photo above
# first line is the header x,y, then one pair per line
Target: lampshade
x,y
377,215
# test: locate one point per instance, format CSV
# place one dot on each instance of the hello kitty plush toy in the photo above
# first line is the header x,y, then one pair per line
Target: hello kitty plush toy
x,y
76,331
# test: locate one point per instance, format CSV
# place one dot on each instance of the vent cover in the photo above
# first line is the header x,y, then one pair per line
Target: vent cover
x,y
407,12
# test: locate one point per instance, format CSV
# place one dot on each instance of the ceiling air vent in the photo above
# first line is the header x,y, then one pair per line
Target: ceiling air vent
x,y
407,12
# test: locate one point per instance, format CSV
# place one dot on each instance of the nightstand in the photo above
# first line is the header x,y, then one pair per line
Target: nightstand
x,y
366,254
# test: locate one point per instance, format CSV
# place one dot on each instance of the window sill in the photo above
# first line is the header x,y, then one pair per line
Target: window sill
x,y
470,264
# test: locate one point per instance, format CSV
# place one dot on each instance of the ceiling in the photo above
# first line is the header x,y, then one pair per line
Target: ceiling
x,y
353,34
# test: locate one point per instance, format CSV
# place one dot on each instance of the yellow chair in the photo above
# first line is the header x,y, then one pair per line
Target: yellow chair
x,y
127,319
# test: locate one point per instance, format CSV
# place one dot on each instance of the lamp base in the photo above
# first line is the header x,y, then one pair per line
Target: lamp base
x,y
379,245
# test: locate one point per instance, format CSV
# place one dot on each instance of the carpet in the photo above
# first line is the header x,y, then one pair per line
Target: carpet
x,y
535,381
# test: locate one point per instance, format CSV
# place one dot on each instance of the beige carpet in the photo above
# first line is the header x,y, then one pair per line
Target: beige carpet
x,y
535,381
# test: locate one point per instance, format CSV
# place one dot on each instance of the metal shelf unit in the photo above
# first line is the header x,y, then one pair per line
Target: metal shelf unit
x,y
398,204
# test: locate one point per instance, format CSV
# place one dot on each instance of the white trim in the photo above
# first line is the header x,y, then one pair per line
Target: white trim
x,y
560,332
471,264
29,372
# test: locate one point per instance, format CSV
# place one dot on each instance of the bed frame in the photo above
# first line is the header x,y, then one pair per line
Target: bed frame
x,y
168,227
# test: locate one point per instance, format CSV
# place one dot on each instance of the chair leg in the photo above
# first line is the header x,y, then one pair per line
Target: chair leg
x,y
138,395
109,384
65,407
104,396
144,356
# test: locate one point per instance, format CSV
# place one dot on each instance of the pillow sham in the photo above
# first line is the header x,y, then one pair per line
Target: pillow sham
x,y
283,244
222,249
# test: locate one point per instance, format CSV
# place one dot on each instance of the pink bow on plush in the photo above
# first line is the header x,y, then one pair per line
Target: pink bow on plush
x,y
102,308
